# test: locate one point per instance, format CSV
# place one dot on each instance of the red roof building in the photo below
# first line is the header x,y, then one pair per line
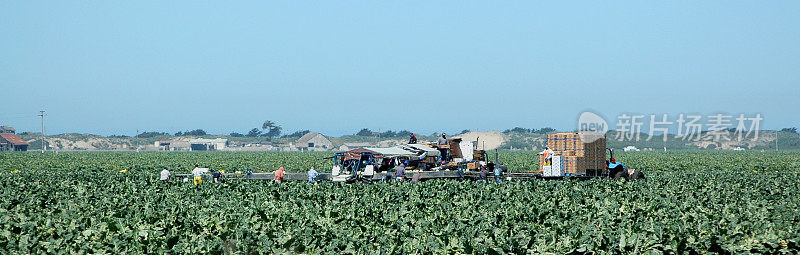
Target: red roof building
x,y
12,142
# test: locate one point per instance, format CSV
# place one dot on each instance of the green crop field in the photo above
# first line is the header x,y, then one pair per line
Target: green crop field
x,y
108,202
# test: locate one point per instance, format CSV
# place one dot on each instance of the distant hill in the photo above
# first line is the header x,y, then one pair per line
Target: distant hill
x,y
517,140
765,141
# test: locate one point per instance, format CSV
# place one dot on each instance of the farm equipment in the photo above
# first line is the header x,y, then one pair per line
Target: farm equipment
x,y
617,170
568,155
372,163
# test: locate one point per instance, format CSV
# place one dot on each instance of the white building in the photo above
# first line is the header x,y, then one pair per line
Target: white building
x,y
172,145
350,146
630,148
203,144
313,142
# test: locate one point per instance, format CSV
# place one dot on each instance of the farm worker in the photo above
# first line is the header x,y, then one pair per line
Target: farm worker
x,y
216,176
547,154
443,139
249,174
312,175
413,139
197,174
164,175
399,172
279,174
443,151
336,170
498,173
483,174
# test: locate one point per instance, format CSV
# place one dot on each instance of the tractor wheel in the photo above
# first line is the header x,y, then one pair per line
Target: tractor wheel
x,y
637,175
620,175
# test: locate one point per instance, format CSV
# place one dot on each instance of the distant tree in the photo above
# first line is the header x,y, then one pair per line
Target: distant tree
x,y
151,134
179,133
298,134
404,133
790,130
234,134
518,130
254,132
364,132
464,131
196,132
545,130
272,129
388,134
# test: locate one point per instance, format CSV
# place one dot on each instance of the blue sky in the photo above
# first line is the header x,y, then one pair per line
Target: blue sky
x,y
107,67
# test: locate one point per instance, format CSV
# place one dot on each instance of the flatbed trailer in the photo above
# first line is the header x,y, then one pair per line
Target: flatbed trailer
x,y
424,175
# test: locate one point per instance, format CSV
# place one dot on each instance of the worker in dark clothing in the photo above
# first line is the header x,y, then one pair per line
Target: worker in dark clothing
x,y
216,176
442,142
412,139
483,174
400,172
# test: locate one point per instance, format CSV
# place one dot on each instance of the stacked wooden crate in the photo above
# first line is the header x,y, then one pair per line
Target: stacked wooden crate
x,y
579,156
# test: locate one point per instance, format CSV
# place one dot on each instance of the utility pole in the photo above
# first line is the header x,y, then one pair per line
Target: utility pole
x,y
135,140
44,145
776,139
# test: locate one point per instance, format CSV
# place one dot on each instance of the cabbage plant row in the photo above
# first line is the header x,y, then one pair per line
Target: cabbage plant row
x,y
690,203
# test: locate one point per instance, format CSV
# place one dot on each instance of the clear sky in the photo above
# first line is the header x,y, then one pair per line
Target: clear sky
x,y
111,67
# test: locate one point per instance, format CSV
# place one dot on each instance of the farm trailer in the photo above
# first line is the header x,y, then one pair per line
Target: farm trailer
x,y
574,158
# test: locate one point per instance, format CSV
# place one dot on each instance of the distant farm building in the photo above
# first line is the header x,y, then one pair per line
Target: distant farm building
x,y
173,145
10,141
630,148
7,129
313,142
203,144
350,146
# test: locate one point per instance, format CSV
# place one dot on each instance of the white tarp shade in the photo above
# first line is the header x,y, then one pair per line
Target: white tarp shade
x,y
427,149
391,151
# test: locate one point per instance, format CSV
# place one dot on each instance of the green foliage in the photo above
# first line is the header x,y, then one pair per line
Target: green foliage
x,y
297,134
273,130
254,132
690,203
519,130
196,132
365,132
385,134
545,130
151,134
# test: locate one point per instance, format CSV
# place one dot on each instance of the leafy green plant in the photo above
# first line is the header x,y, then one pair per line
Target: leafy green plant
x,y
689,203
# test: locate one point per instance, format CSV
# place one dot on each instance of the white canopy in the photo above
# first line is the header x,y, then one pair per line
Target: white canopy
x,y
391,151
427,149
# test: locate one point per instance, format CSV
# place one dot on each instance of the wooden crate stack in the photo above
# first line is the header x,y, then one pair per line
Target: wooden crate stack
x,y
578,156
